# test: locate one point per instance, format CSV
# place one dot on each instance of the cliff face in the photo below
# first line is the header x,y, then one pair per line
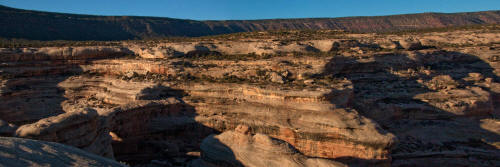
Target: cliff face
x,y
355,99
36,25
240,148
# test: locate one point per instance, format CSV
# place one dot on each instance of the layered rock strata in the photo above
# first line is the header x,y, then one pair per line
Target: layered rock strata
x,y
240,148
428,99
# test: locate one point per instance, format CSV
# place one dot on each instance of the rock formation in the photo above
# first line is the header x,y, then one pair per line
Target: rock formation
x,y
240,148
427,99
26,152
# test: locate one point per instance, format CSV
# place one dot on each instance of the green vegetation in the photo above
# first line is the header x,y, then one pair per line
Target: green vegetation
x,y
489,27
23,43
282,36
219,56
47,26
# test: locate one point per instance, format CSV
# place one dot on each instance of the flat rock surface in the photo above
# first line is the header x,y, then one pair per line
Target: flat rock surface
x,y
17,152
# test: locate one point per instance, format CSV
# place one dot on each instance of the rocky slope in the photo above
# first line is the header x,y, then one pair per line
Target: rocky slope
x,y
57,26
26,152
426,99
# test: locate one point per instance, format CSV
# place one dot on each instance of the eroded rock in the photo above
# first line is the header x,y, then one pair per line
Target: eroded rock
x,y
410,44
26,152
277,78
81,128
239,148
344,99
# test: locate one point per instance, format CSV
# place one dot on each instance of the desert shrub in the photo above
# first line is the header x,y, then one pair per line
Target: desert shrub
x,y
23,43
261,73
232,79
183,63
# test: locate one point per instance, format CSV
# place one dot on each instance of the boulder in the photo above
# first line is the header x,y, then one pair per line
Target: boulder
x,y
131,74
309,82
411,44
81,128
276,78
389,44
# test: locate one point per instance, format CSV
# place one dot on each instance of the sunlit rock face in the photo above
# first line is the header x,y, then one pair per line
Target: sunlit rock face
x,y
240,148
427,99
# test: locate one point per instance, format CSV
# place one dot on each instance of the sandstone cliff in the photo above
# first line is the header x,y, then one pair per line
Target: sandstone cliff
x,y
239,148
359,99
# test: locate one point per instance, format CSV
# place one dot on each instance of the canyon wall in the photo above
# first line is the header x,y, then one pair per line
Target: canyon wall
x,y
361,99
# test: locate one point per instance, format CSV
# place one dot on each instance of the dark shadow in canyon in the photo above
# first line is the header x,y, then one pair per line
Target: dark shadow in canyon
x,y
26,152
34,94
171,133
161,134
390,100
32,91
226,156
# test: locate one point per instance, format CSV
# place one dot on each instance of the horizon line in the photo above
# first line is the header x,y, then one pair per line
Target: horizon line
x,y
208,20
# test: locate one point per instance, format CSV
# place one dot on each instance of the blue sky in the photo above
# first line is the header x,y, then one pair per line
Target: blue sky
x,y
252,9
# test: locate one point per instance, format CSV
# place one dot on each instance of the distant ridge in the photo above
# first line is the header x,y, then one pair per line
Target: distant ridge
x,y
36,25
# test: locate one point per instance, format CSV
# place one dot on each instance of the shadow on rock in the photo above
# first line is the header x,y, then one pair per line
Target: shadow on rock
x,y
159,129
241,148
27,152
438,103
30,90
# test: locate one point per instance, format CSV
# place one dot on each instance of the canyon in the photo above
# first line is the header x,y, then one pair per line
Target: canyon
x,y
346,99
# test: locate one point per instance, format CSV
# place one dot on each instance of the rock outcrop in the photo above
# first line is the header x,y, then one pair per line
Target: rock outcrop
x,y
304,120
358,99
81,129
25,152
240,148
